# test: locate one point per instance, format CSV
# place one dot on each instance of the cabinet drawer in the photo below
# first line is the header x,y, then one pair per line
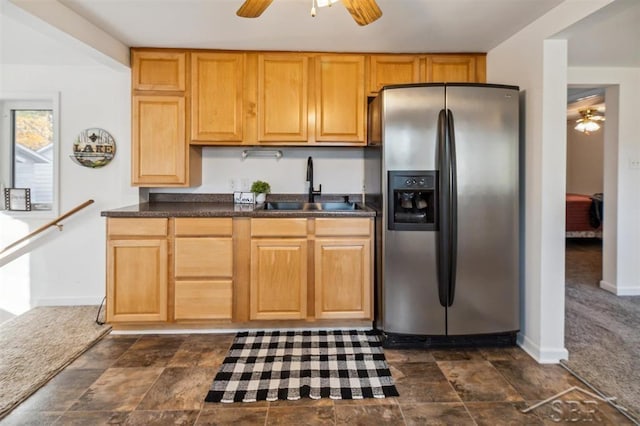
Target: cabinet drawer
x,y
203,257
206,227
137,227
279,227
332,227
195,300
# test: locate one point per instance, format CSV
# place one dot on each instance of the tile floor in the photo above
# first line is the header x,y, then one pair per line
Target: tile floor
x,y
162,380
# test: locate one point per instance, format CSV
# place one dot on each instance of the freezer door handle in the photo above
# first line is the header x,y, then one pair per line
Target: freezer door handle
x,y
453,207
444,216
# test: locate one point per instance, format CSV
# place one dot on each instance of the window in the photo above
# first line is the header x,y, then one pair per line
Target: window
x,y
28,150
32,147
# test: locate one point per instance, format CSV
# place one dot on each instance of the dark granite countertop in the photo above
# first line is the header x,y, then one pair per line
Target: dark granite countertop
x,y
221,205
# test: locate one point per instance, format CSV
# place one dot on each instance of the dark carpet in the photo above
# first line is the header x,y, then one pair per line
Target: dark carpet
x,y
602,330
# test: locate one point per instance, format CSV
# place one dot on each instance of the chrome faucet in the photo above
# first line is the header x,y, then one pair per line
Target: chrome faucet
x,y
312,192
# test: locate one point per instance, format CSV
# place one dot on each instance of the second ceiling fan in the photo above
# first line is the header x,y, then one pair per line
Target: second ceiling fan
x,y
363,12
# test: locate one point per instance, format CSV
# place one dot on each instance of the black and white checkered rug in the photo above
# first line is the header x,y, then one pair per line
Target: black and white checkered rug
x,y
272,365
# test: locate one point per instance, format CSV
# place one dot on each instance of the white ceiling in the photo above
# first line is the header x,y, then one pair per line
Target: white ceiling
x,y
581,98
610,37
406,25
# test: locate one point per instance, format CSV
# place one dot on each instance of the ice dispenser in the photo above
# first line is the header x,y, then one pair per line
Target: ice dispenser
x,y
412,200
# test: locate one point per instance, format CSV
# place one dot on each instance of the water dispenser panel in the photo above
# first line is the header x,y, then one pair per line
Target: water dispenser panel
x,y
412,199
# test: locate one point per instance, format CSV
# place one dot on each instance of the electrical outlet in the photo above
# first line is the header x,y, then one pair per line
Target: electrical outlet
x,y
634,164
232,185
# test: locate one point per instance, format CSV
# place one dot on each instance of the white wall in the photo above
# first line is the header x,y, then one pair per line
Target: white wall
x,y
338,170
68,267
585,160
538,65
621,257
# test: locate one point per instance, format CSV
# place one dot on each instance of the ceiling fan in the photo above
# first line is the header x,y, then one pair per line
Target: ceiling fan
x,y
588,122
363,12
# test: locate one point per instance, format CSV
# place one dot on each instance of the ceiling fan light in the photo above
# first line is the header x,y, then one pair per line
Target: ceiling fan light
x,y
591,126
325,3
587,126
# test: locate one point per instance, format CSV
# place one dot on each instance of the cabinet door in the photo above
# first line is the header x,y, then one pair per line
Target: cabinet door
x,y
158,71
393,69
278,279
343,278
282,97
340,99
451,68
217,97
159,147
136,280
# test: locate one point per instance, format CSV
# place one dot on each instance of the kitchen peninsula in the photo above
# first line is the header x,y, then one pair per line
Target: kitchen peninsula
x,y
199,261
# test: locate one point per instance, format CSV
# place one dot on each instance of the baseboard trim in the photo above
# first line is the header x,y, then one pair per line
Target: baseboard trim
x,y
542,355
67,301
619,291
225,330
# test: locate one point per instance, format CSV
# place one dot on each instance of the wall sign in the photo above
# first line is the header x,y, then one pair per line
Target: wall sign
x,y
94,148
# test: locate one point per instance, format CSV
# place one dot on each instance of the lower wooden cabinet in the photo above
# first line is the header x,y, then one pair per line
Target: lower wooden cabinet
x,y
343,278
203,268
278,279
137,273
187,269
339,266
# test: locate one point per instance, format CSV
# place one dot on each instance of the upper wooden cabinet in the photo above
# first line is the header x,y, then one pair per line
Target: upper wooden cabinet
x,y
160,151
159,146
340,98
455,68
158,71
254,98
393,69
283,86
217,96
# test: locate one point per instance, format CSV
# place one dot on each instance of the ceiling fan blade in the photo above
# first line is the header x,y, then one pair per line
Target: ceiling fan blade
x,y
363,12
253,8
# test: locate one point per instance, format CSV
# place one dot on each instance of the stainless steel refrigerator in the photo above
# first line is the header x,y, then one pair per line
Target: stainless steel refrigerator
x,y
443,167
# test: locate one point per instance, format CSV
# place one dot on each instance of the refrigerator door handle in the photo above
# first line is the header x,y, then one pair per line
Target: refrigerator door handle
x,y
453,207
442,253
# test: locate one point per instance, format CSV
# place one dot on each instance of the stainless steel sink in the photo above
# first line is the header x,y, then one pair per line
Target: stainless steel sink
x,y
311,206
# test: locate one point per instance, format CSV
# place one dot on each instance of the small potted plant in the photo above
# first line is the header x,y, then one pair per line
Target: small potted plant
x,y
261,189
